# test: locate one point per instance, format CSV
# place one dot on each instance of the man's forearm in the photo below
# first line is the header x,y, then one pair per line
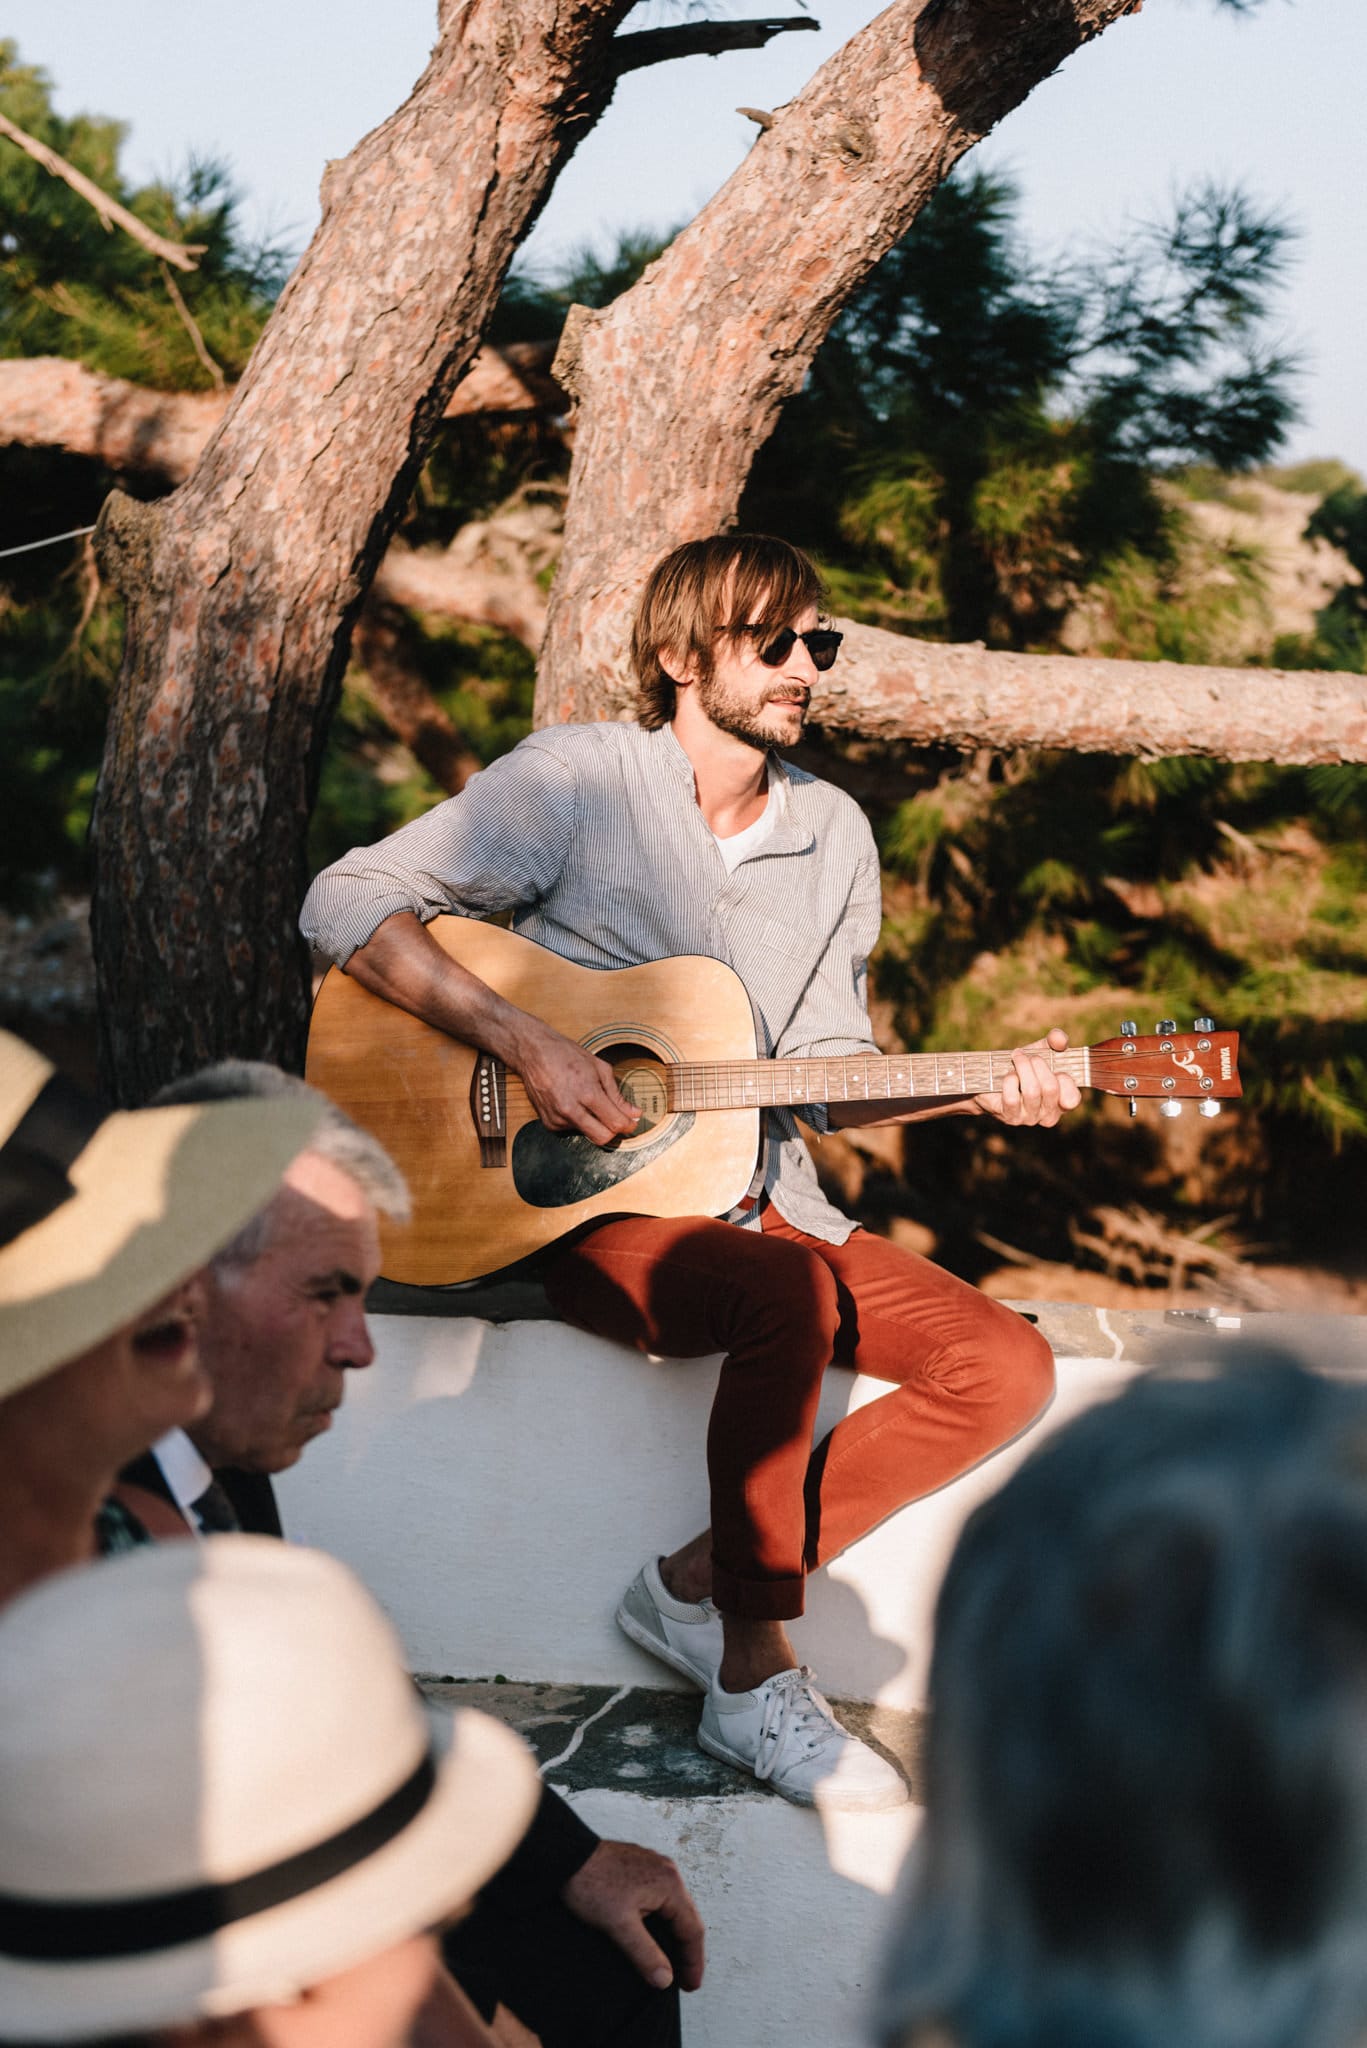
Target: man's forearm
x,y
570,1089
402,962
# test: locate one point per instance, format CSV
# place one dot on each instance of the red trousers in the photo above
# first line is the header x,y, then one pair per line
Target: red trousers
x,y
966,1375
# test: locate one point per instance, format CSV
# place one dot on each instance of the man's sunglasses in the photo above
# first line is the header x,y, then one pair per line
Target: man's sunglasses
x,y
823,645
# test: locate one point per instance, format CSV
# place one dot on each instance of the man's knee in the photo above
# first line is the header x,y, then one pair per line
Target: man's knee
x,y
1024,1372
1000,1367
788,1298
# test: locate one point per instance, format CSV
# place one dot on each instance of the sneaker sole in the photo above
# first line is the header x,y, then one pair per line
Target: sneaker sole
x,y
881,1802
655,1647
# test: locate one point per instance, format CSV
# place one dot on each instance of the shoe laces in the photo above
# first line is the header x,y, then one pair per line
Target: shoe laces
x,y
793,1708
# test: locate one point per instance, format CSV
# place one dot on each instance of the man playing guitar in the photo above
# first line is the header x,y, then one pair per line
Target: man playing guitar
x,y
618,844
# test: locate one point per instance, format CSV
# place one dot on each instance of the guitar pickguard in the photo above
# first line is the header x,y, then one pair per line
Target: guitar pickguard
x,y
551,1169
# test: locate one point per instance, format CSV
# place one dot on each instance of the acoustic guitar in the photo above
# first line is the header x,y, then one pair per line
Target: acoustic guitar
x,y
491,1184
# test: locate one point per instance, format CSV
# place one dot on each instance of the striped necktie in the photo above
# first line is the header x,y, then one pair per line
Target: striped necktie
x,y
214,1511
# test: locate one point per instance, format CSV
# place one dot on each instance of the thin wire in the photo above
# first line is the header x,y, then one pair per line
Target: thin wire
x,y
26,547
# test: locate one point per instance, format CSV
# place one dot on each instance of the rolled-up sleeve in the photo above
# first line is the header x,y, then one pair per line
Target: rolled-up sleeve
x,y
498,845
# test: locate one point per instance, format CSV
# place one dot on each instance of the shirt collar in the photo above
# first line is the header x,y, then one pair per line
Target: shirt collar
x,y
184,1471
789,835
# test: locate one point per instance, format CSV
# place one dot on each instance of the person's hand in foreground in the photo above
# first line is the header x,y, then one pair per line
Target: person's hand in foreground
x,y
618,1888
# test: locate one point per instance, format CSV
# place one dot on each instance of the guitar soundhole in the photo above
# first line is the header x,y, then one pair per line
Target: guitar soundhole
x,y
639,1074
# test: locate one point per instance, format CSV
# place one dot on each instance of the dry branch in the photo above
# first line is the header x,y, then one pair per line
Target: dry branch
x,y
52,402
700,39
404,701
885,687
112,215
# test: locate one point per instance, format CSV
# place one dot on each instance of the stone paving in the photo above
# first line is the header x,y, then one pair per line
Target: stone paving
x,y
634,1739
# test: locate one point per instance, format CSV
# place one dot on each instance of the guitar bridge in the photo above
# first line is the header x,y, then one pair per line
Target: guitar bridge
x,y
489,1109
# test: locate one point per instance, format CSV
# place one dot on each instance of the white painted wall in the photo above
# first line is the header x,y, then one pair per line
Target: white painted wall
x,y
498,1486
795,1936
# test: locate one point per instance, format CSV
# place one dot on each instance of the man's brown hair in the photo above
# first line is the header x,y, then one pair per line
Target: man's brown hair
x,y
707,587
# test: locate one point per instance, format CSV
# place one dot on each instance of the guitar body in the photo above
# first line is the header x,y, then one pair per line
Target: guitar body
x,y
480,1205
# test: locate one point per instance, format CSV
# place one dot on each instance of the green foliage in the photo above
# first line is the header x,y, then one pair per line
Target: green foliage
x,y
533,304
69,286
1339,640
988,429
1316,478
483,680
56,659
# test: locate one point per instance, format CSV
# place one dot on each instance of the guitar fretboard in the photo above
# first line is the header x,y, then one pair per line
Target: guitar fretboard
x,y
764,1084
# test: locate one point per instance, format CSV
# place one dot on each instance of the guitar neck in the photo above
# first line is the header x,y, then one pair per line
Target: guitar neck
x,y
865,1077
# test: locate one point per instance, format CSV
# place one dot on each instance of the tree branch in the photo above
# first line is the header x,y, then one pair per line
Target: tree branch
x,y
889,688
191,326
182,254
404,701
698,39
52,402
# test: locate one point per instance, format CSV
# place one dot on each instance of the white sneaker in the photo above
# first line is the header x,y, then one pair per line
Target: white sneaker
x,y
785,1733
684,1633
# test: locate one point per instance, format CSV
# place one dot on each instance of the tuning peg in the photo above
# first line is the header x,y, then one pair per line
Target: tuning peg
x,y
1207,1108
1203,1023
1171,1108
1129,1029
1165,1027
1134,1107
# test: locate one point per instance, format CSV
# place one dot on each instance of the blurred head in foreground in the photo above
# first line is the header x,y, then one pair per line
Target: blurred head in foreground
x,y
1147,1777
105,1221
223,1813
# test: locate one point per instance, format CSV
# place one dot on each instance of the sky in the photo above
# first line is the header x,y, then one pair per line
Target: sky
x,y
1177,93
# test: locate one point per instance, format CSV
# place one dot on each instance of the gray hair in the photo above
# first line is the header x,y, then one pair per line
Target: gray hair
x,y
1146,1797
344,1144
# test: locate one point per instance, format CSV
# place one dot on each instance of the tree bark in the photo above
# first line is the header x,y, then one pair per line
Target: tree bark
x,y
888,688
681,379
243,586
51,402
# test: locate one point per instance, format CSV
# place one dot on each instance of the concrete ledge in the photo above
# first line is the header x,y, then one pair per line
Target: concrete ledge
x,y
498,1486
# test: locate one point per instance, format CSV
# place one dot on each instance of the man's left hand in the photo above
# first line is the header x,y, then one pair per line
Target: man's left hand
x,y
615,1891
1034,1093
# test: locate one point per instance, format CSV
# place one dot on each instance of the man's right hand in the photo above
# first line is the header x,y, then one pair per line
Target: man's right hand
x,y
570,1090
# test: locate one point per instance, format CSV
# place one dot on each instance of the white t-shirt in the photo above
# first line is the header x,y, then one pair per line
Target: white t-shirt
x,y
741,844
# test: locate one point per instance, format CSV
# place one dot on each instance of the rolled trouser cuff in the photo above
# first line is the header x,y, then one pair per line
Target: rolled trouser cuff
x,y
757,1599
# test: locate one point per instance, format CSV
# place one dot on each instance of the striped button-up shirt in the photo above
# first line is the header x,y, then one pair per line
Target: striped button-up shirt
x,y
592,837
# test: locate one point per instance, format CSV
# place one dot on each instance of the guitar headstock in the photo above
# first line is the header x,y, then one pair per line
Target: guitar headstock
x,y
1200,1064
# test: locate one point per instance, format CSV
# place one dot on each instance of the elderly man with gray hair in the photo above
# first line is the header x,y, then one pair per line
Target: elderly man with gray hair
x,y
285,1319
573,1939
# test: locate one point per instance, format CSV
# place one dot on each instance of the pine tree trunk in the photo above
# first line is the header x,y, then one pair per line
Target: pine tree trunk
x,y
681,380
242,586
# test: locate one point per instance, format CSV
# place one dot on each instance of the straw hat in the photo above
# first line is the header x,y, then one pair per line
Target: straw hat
x,y
218,1787
100,1216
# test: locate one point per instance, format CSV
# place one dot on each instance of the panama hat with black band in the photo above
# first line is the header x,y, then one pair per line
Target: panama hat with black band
x,y
218,1788
102,1215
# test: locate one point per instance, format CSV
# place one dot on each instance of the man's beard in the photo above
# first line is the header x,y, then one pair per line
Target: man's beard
x,y
742,720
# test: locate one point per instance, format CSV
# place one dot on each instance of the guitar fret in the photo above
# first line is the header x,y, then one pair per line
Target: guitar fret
x,y
744,1084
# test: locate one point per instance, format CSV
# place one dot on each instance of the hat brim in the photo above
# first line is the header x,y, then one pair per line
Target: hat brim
x,y
158,1191
481,1804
